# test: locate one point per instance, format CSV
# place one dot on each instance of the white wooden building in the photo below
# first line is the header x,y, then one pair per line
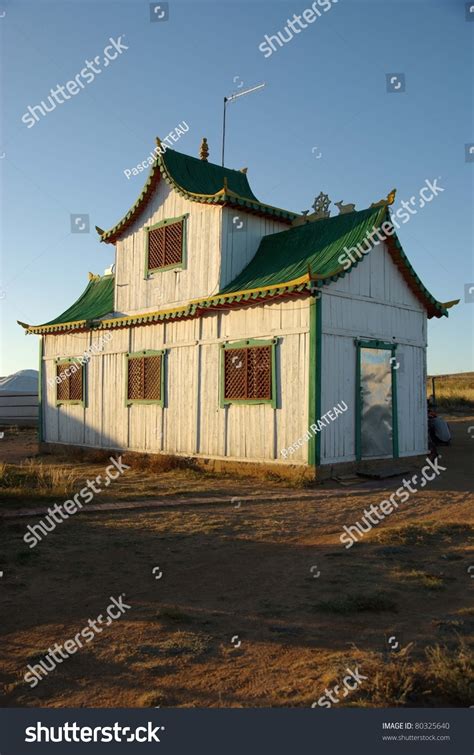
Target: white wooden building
x,y
236,331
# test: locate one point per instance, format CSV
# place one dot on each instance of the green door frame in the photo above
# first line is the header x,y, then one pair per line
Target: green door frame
x,y
40,389
314,388
374,344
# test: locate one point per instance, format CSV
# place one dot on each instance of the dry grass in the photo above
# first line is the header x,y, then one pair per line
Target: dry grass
x,y
442,675
422,578
423,533
37,481
451,673
36,478
245,571
453,392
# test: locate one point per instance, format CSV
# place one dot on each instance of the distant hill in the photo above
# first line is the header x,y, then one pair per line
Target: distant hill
x,y
23,381
457,377
454,391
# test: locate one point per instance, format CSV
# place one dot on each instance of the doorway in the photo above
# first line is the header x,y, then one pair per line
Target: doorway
x,y
376,400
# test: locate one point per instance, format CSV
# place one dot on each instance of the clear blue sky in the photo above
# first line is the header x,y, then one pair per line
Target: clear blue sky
x,y
324,122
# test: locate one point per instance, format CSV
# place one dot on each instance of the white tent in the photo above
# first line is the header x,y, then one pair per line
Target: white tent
x,y
19,398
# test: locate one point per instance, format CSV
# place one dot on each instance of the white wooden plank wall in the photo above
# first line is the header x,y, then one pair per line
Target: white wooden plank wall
x,y
192,420
373,302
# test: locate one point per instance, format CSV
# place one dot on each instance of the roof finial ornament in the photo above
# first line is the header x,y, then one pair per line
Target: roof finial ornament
x,y
385,202
344,208
204,149
321,211
321,206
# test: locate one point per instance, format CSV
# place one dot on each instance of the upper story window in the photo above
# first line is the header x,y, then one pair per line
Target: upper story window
x,y
166,244
70,376
248,373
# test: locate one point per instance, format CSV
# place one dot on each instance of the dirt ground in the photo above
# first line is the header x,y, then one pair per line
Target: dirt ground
x,y
241,593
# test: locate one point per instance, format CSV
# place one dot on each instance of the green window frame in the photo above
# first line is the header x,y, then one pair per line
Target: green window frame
x,y
164,224
374,344
61,364
242,345
143,355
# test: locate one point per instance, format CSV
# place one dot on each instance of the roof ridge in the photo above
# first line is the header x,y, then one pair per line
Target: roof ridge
x,y
198,159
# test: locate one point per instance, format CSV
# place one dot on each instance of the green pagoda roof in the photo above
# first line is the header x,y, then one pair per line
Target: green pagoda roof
x,y
198,181
313,250
202,178
290,263
96,301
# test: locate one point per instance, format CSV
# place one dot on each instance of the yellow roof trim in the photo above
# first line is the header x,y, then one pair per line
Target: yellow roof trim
x,y
296,282
221,193
35,328
127,318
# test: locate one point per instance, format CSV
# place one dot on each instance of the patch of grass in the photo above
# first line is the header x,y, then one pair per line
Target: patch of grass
x,y
441,677
160,463
451,673
175,614
33,475
418,577
185,643
392,685
453,391
428,533
375,602
468,611
449,625
151,700
181,643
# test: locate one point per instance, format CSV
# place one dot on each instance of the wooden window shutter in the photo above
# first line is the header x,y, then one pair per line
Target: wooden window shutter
x,y
144,378
136,367
235,373
259,372
152,380
165,245
248,373
70,387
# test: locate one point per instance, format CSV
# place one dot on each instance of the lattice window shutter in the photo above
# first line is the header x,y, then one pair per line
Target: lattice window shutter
x,y
75,383
174,243
235,367
156,248
152,379
62,388
259,372
136,374
165,245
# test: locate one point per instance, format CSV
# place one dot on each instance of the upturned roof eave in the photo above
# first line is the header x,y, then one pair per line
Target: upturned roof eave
x,y
223,196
